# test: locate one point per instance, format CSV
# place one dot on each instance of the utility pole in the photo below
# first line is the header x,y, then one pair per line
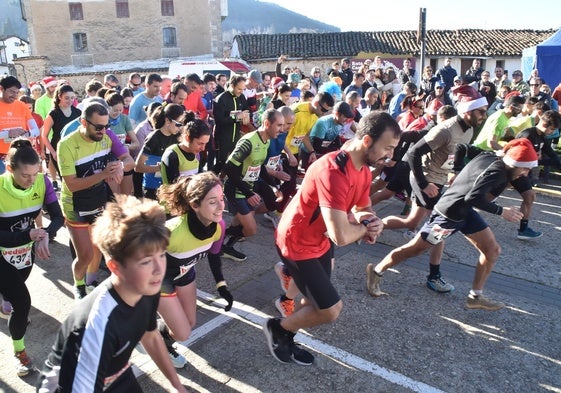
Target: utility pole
x,y
422,37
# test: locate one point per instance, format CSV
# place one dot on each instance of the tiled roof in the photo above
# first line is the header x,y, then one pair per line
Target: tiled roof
x,y
465,42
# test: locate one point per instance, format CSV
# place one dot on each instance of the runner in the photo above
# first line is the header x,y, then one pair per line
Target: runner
x,y
334,200
477,185
25,191
93,346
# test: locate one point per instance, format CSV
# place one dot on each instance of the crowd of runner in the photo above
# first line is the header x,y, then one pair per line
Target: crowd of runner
x,y
142,175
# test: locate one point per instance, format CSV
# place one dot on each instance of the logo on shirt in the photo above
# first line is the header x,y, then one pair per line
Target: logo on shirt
x,y
35,196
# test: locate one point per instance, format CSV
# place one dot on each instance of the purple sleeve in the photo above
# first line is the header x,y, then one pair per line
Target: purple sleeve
x,y
50,194
117,148
217,245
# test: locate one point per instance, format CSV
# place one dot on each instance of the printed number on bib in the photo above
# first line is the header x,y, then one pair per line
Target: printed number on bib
x,y
273,162
19,257
438,234
252,173
297,141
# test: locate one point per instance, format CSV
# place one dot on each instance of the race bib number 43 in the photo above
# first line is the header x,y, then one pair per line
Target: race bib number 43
x,y
19,257
438,234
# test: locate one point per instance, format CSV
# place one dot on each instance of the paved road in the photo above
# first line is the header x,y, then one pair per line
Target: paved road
x,y
412,340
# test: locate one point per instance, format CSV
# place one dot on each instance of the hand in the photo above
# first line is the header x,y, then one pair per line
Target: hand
x,y
42,248
278,194
282,175
431,190
254,200
281,58
374,229
112,169
512,214
312,158
226,295
38,234
452,178
118,176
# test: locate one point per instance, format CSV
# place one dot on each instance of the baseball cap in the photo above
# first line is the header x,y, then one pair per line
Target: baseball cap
x,y
255,75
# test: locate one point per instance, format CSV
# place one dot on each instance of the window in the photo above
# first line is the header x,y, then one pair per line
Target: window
x,y
76,12
167,7
122,8
80,42
170,39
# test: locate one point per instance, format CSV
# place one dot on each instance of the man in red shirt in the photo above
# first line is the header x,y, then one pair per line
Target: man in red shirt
x,y
331,208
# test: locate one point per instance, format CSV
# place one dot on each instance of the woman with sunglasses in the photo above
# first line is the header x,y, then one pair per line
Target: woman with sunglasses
x,y
413,107
168,121
62,114
183,158
25,192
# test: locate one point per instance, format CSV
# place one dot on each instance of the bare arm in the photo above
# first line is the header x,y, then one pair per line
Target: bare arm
x,y
154,344
339,229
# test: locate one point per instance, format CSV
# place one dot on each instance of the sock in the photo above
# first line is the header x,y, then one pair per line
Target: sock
x,y
91,277
475,292
19,345
380,273
434,271
79,282
523,224
235,233
284,297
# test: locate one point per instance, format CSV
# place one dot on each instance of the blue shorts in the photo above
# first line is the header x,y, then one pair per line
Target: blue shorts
x,y
438,227
239,205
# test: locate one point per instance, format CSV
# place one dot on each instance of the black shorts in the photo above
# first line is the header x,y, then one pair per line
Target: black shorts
x,y
169,283
313,278
399,182
438,227
522,184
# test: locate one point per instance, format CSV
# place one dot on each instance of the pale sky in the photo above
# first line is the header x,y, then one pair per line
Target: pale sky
x,y
388,15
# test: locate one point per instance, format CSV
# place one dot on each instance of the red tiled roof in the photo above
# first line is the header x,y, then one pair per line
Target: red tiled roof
x,y
465,42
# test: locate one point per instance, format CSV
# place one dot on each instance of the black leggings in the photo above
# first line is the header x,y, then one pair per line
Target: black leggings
x,y
14,290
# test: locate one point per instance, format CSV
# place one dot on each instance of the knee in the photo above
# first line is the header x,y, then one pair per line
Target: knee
x,y
332,313
493,252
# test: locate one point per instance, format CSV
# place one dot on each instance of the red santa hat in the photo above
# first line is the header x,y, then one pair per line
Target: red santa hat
x,y
433,107
469,99
520,153
34,86
49,81
277,82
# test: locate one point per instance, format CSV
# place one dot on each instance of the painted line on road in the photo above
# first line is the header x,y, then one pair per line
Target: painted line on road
x,y
256,318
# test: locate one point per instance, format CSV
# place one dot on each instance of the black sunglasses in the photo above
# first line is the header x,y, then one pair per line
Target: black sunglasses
x,y
323,109
99,127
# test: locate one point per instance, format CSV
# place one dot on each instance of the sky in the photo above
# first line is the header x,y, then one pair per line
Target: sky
x,y
373,15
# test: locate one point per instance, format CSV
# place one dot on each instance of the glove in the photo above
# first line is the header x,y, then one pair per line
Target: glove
x,y
226,295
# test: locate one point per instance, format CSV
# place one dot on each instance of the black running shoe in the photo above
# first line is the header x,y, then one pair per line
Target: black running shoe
x,y
280,345
301,356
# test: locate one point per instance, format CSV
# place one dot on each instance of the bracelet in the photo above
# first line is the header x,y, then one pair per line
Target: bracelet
x,y
366,222
220,284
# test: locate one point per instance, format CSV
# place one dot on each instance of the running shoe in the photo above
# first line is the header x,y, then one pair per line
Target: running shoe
x,y
233,254
80,292
177,359
483,303
437,284
301,356
23,363
5,309
528,234
273,217
373,281
283,277
285,307
279,343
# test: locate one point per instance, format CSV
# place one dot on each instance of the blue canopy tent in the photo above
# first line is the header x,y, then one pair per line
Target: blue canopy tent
x,y
546,57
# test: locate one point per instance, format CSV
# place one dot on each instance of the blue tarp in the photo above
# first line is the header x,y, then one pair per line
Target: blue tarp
x,y
546,57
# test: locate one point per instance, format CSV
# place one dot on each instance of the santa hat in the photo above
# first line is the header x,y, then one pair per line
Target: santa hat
x,y
49,81
433,107
34,86
469,99
520,153
277,82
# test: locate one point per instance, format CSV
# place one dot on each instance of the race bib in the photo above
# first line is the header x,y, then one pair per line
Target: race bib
x,y
297,141
252,174
19,257
437,234
449,163
273,162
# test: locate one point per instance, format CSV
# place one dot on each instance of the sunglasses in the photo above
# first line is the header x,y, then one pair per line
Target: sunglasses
x,y
534,84
136,84
99,127
323,109
176,123
438,87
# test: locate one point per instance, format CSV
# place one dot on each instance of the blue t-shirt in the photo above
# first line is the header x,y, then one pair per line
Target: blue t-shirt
x,y
136,109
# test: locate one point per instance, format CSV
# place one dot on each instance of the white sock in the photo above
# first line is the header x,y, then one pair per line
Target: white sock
x,y
475,292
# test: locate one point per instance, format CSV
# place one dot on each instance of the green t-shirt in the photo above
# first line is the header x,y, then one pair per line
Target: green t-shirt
x,y
495,125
